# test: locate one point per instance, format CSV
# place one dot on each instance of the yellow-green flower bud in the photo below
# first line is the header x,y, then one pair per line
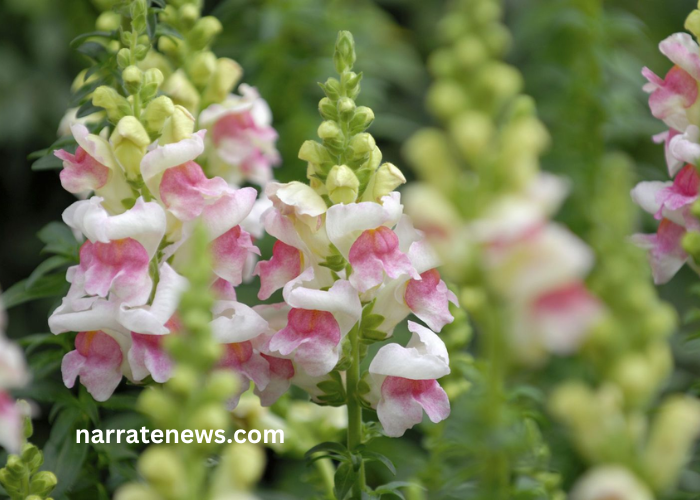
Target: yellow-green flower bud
x,y
429,153
164,470
344,56
361,120
210,417
695,209
329,131
332,89
386,179
362,145
184,381
171,46
203,32
342,184
242,466
189,13
179,126
226,75
692,23
123,58
472,131
15,465
675,428
135,491
442,63
346,107
130,141
114,104
221,384
138,10
157,111
691,244
32,456
108,21
43,483
202,68
470,52
153,78
133,78
446,98
500,80
181,90
635,379
328,109
313,152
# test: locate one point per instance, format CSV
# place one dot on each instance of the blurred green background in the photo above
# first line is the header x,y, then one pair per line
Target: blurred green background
x,y
285,46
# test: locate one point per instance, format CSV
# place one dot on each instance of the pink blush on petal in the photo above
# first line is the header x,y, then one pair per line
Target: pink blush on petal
x,y
81,172
428,298
284,266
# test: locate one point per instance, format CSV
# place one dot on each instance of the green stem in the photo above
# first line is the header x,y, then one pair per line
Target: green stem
x,y
355,408
325,468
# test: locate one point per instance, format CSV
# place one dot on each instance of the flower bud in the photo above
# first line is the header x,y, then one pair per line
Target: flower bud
x,y
138,11
123,58
189,13
153,78
222,384
691,244
361,120
130,141
180,89
500,80
386,179
179,126
157,111
133,78
313,152
203,32
43,483
331,89
342,184
446,98
351,81
171,46
32,457
242,466
362,145
470,52
202,67
135,491
695,209
692,23
472,131
442,63
329,131
108,21
328,109
114,104
210,417
163,469
344,55
227,74
346,107
675,428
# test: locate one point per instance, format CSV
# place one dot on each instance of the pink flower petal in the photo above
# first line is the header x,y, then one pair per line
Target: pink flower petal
x,y
97,360
683,51
281,373
185,189
11,424
147,357
672,96
313,337
403,401
374,253
81,172
666,254
230,252
284,266
429,299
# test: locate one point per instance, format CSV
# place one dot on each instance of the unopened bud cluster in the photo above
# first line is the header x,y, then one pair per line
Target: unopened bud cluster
x,y
22,479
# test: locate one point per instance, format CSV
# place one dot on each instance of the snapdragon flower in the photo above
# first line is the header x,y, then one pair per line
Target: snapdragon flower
x,y
13,375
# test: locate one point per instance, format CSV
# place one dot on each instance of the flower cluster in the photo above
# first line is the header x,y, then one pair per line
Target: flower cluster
x,y
490,221
13,374
674,100
148,194
352,267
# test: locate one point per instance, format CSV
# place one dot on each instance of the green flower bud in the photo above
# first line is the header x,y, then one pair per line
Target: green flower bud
x,y
472,132
691,244
635,379
108,21
202,67
361,120
330,131
43,483
130,141
127,37
179,126
242,466
446,98
34,497
157,111
695,209
184,381
123,58
180,89
164,470
138,10
362,145
171,46
692,23
136,491
351,81
313,152
342,184
133,78
346,107
32,457
442,63
210,417
227,74
114,104
328,109
189,13
500,80
344,55
222,384
675,428
386,179
153,78
470,52
203,32
332,89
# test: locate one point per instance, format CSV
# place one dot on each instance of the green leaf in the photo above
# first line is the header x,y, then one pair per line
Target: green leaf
x,y
52,263
62,142
53,285
87,109
92,34
59,239
168,31
329,447
345,477
48,162
93,50
62,455
373,456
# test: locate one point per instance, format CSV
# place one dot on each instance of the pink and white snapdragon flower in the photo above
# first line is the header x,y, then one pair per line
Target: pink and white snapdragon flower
x,y
673,100
13,375
387,266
